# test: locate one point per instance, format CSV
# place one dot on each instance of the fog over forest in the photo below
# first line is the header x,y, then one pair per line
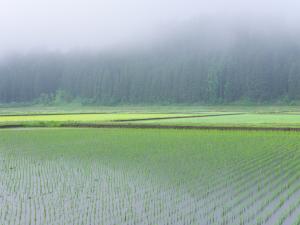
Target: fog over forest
x,y
127,52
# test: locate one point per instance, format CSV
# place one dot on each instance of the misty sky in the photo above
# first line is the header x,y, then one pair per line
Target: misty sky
x,y
27,25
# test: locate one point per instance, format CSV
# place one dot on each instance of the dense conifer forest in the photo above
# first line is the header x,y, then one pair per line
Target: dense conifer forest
x,y
204,66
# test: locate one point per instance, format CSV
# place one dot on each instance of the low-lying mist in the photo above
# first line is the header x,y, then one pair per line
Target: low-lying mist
x,y
249,56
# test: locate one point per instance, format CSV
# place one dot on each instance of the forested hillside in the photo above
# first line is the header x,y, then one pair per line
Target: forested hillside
x,y
207,66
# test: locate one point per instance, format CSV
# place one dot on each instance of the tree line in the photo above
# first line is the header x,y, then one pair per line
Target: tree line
x,y
197,69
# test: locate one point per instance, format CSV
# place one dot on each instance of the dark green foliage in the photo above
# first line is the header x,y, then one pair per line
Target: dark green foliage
x,y
187,70
45,99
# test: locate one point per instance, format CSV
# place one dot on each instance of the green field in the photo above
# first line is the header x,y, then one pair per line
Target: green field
x,y
243,120
260,117
100,117
146,109
134,176
150,176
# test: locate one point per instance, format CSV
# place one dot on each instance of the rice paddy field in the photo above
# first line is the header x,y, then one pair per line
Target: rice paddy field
x,y
57,120
160,176
89,117
133,176
243,120
168,116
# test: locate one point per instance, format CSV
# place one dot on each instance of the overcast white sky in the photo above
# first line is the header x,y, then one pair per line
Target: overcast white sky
x,y
71,24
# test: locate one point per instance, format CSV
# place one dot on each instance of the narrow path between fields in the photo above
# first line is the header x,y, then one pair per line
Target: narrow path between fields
x,y
142,126
178,117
